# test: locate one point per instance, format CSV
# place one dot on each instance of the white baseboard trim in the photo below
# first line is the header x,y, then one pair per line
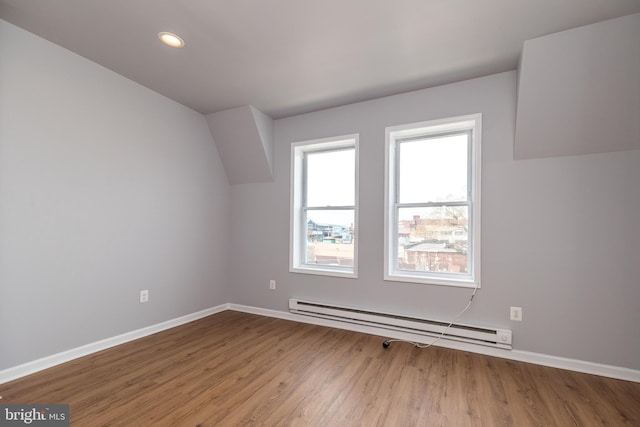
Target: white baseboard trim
x,y
518,355
34,366
28,368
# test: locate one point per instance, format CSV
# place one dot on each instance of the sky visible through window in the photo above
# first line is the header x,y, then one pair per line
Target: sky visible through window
x,y
431,170
331,182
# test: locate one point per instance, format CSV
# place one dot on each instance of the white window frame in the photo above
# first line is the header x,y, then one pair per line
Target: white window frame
x,y
298,231
393,136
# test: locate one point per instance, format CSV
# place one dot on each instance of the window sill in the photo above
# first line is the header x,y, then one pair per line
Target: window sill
x,y
325,271
426,280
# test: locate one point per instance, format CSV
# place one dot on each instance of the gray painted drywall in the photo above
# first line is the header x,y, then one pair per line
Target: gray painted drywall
x,y
579,91
106,188
559,235
264,126
244,137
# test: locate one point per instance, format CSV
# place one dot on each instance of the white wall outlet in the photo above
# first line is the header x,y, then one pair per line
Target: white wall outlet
x,y
272,284
516,314
144,295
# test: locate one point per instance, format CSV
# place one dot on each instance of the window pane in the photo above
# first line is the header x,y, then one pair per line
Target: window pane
x,y
433,169
331,178
433,239
330,237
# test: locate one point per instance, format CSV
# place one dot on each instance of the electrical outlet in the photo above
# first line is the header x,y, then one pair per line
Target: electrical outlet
x,y
516,314
144,295
272,284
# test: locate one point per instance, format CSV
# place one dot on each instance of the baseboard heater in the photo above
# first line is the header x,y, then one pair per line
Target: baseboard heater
x,y
500,338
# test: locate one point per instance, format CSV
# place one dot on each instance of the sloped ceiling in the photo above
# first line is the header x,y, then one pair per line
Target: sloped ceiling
x,y
244,137
286,57
579,91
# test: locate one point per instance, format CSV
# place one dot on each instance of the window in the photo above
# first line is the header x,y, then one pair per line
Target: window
x,y
432,202
324,207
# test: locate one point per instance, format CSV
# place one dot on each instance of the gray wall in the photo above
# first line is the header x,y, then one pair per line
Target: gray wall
x,y
106,188
584,85
559,236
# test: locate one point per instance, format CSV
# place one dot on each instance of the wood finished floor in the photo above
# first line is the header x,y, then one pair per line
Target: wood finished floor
x,y
234,369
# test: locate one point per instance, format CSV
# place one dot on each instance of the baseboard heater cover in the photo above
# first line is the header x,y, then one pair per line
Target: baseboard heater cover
x,y
500,338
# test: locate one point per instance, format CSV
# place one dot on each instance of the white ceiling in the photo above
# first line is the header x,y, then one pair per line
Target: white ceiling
x,y
288,57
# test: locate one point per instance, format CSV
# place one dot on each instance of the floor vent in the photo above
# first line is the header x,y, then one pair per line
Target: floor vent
x,y
430,328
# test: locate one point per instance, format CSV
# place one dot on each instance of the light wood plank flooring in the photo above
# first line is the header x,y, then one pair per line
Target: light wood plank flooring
x,y
238,369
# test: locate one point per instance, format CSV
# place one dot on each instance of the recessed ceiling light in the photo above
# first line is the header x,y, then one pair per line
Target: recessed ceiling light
x,y
171,39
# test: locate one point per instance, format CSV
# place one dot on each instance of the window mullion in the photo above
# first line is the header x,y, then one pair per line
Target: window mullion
x,y
329,208
433,204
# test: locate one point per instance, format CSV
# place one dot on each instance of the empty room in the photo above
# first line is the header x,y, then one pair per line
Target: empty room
x,y
331,213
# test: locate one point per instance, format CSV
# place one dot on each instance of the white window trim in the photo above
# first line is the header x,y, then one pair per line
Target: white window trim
x,y
296,238
392,134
